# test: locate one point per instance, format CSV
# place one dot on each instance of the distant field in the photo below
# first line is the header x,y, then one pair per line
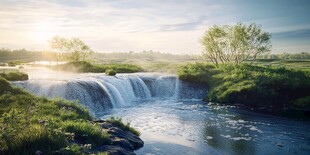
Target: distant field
x,y
297,63
151,61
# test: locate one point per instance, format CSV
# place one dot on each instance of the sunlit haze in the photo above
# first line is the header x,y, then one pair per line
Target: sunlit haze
x,y
171,26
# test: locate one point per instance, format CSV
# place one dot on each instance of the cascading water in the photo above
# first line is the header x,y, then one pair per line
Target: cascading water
x,y
170,121
100,92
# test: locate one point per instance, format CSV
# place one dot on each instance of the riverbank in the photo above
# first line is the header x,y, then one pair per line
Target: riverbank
x,y
31,124
87,67
254,87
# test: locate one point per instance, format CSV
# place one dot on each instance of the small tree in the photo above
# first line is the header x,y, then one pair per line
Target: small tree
x,y
235,44
72,49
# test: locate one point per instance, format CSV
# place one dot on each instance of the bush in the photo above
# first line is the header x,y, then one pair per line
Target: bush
x,y
110,72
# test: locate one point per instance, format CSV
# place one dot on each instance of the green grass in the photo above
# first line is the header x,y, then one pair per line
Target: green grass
x,y
118,122
254,86
14,76
292,63
83,66
86,132
29,123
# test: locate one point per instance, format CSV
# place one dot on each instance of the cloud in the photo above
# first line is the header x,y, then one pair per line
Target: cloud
x,y
296,40
118,25
294,34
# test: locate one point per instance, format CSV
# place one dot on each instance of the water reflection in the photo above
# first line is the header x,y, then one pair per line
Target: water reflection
x,y
215,139
171,127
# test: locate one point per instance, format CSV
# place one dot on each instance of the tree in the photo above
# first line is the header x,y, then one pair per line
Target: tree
x,y
72,49
235,44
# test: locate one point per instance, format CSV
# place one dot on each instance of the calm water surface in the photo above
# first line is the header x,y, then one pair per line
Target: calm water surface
x,y
194,127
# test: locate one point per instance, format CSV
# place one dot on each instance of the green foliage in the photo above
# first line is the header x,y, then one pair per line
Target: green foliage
x,y
29,124
4,85
14,76
286,56
121,68
86,133
71,50
126,127
20,135
254,86
198,72
302,102
83,66
14,63
70,110
110,72
235,44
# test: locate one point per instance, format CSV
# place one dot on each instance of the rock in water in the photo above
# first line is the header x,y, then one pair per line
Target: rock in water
x,y
122,142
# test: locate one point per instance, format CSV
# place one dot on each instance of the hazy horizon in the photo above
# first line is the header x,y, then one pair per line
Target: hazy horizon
x,y
166,26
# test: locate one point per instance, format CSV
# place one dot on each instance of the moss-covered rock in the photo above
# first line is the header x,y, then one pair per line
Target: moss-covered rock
x,y
110,72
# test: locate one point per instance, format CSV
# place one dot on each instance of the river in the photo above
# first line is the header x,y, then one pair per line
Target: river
x,y
172,118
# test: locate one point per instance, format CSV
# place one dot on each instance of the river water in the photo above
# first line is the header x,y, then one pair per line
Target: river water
x,y
194,127
172,118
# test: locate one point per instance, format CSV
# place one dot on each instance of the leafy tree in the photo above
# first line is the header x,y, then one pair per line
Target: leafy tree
x,y
71,50
236,43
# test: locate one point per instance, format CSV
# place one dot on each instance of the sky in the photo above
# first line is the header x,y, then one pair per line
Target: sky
x,y
170,26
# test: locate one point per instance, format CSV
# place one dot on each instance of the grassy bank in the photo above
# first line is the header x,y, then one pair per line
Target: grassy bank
x,y
83,67
14,76
253,86
30,124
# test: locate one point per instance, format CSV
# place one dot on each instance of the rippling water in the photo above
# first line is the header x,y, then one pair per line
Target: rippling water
x,y
194,127
169,126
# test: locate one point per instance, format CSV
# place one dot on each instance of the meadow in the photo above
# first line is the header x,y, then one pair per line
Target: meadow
x,y
254,86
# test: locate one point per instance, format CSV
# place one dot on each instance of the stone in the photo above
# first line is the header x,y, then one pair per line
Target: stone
x,y
122,142
115,150
133,139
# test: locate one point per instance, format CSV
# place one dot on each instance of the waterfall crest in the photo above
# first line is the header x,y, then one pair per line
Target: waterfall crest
x,y
100,92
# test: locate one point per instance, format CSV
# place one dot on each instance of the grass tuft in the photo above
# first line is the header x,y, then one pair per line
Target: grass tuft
x,y
118,122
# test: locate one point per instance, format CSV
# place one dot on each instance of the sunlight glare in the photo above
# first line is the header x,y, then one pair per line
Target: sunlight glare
x,y
43,31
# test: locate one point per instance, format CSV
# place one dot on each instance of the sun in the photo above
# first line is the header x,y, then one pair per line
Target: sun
x,y
43,31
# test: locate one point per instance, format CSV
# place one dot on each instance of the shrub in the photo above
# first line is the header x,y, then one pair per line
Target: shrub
x,y
110,72
198,72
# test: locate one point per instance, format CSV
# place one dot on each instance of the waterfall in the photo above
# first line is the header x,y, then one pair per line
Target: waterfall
x,y
100,92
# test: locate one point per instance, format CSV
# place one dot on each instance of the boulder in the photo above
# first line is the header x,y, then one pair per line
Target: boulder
x,y
122,142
